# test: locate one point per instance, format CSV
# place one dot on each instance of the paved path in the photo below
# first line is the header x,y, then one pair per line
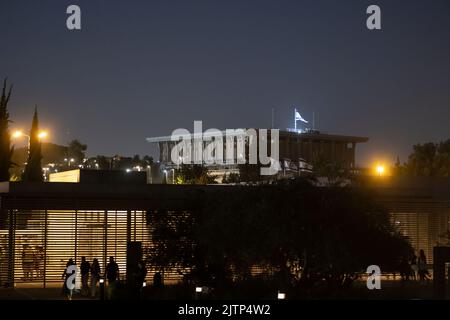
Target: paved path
x,y
36,294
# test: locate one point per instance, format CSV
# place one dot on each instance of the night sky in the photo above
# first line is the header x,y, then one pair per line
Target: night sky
x,y
144,68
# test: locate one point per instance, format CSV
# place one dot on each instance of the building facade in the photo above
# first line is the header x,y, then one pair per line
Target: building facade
x,y
294,147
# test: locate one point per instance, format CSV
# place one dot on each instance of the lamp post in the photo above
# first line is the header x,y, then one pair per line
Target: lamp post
x,y
17,134
69,161
149,174
198,292
102,289
165,173
281,296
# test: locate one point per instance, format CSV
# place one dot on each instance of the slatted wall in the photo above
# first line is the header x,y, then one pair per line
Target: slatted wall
x,y
424,230
45,240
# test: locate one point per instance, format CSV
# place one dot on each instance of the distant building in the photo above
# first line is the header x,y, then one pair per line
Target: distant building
x,y
297,150
99,176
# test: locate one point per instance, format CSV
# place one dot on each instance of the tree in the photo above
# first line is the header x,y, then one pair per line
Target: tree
x,y
422,161
6,150
427,160
303,232
302,235
172,238
136,160
147,160
442,160
194,174
249,172
76,150
33,168
335,173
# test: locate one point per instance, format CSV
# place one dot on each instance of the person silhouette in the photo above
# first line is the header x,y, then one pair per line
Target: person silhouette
x,y
65,276
423,267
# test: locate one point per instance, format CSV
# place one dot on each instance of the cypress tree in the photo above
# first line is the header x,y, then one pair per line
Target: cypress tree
x,y
6,151
33,169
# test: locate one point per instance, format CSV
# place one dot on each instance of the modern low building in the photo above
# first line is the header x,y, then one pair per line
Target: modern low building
x,y
419,208
42,225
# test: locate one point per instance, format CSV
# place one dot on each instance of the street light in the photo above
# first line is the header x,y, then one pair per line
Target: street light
x,y
42,135
380,170
69,161
18,133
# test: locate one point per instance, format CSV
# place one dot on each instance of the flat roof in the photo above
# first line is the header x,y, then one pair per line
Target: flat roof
x,y
241,132
399,193
105,196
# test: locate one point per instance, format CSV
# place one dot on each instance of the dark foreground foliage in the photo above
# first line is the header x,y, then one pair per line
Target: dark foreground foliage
x,y
300,237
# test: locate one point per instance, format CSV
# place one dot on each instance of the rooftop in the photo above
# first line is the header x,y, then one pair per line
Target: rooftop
x,y
119,196
241,132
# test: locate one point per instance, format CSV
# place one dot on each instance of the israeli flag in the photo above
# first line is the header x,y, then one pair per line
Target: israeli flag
x,y
299,117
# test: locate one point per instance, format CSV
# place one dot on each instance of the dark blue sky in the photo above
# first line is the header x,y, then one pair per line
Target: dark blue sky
x,y
143,68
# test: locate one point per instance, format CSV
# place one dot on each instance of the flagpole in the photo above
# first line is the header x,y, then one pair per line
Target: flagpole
x,y
314,121
295,119
272,119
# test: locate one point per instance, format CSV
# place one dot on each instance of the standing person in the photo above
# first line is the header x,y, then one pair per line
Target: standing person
x,y
66,274
27,262
414,267
95,276
405,269
112,272
85,267
141,274
39,262
157,280
423,267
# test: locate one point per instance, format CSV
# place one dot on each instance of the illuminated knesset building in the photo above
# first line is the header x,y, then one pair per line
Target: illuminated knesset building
x,y
298,148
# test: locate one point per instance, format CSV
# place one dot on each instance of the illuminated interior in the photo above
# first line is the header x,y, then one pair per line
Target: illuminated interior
x,y
45,242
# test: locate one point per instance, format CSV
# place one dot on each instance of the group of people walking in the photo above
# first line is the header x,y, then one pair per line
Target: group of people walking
x,y
90,270
415,269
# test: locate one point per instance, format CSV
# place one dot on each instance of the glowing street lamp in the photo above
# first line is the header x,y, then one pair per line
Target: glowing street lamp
x,y
42,135
380,170
18,133
69,161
